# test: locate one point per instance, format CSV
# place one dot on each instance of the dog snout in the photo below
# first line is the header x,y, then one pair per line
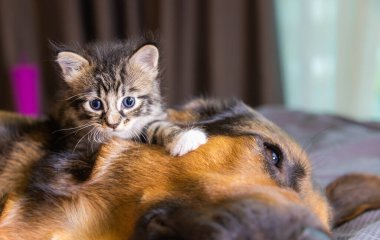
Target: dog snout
x,y
231,220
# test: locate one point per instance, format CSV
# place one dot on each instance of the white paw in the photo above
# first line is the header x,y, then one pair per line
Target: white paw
x,y
187,141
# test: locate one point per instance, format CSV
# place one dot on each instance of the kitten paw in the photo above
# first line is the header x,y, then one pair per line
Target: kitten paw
x,y
187,141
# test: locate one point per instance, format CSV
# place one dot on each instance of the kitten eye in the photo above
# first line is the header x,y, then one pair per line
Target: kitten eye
x,y
96,104
129,102
274,153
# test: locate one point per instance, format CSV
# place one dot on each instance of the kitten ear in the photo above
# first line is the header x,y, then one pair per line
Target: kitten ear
x,y
146,58
71,64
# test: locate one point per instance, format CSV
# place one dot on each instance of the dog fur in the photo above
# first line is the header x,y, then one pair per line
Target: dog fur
x,y
137,191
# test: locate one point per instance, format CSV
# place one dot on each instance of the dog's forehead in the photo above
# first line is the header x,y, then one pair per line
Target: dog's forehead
x,y
234,118
231,117
245,122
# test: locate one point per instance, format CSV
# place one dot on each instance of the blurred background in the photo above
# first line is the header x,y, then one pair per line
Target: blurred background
x,y
318,55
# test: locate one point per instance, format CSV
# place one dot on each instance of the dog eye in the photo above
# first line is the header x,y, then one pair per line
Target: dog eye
x,y
274,153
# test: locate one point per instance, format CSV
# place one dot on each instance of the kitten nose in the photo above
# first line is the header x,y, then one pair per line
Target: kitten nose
x,y
112,120
112,125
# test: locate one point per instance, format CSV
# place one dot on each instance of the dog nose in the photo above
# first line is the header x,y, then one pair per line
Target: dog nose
x,y
232,220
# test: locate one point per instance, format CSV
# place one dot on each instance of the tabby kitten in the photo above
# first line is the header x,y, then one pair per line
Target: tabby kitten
x,y
108,90
113,90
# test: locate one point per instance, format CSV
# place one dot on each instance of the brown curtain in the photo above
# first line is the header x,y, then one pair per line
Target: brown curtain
x,y
218,48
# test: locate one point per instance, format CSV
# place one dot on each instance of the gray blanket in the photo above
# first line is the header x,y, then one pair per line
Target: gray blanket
x,y
336,146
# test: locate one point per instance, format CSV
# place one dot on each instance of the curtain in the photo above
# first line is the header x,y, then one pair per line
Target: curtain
x,y
217,48
330,56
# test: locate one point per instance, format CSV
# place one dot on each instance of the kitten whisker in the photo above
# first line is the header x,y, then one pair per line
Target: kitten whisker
x,y
76,131
76,145
76,96
136,135
102,136
144,136
96,136
92,144
91,135
72,128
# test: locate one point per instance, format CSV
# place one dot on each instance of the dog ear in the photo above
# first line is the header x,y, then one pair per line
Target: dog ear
x,y
353,194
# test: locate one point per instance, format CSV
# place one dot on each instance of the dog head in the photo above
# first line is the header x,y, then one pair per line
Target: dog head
x,y
250,181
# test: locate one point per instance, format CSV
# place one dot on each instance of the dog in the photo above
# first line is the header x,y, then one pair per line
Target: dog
x,y
250,181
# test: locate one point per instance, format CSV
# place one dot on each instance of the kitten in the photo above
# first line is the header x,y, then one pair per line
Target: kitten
x,y
108,90
113,90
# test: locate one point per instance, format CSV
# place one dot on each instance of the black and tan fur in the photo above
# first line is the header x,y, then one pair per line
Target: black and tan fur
x,y
250,181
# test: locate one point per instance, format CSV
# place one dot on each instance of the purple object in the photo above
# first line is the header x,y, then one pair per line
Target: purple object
x,y
25,84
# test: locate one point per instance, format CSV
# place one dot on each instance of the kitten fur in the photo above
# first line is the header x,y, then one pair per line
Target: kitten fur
x,y
112,72
69,138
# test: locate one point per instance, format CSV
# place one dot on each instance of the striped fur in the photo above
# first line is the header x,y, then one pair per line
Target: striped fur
x,y
110,73
74,132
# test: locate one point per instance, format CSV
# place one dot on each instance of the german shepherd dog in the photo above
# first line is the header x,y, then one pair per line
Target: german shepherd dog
x,y
250,181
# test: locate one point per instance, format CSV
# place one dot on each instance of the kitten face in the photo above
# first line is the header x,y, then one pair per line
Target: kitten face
x,y
113,92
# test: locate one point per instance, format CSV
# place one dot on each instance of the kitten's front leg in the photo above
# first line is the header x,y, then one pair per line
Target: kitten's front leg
x,y
177,141
186,141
